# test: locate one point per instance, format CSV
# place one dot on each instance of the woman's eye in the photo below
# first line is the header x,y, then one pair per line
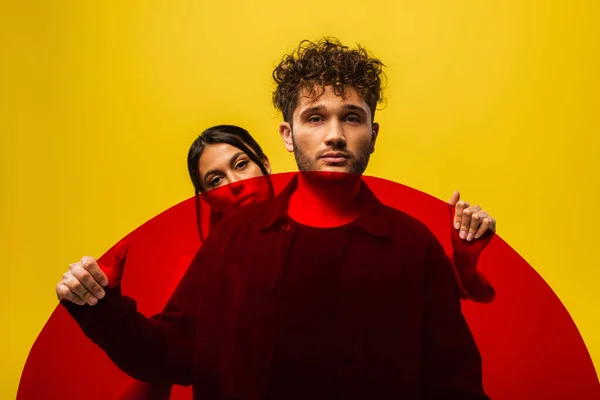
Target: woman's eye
x,y
214,182
241,165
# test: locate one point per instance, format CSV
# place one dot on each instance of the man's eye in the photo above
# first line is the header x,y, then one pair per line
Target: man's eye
x,y
315,118
353,118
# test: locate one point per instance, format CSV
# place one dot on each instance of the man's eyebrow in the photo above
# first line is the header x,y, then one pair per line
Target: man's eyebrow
x,y
353,107
311,110
345,107
231,161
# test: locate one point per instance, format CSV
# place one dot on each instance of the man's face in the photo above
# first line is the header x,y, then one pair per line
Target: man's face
x,y
331,133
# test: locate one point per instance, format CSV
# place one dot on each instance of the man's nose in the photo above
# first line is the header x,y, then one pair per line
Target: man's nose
x,y
335,135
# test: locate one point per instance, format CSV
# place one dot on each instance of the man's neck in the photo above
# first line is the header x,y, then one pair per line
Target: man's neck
x,y
325,200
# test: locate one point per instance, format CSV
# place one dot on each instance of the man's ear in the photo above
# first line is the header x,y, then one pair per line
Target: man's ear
x,y
267,163
374,134
285,130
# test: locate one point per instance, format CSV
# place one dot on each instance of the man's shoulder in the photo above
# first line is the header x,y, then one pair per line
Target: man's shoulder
x,y
400,222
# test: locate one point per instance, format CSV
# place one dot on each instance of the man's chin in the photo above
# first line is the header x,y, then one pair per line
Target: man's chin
x,y
327,167
331,174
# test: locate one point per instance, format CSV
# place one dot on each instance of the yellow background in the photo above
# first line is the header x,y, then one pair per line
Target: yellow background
x,y
99,102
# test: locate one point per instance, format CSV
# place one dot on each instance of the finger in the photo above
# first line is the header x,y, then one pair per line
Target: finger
x,y
466,220
476,218
490,224
88,283
75,286
77,300
455,198
91,266
483,227
475,209
78,289
64,293
458,213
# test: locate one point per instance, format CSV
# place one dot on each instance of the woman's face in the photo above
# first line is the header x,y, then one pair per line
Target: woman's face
x,y
224,170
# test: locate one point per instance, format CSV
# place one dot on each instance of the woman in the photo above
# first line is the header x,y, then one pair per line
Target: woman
x,y
221,155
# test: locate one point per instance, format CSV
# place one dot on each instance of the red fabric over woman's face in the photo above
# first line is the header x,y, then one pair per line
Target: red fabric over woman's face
x,y
225,174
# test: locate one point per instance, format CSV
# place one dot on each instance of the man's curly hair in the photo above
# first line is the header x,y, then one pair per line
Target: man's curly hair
x,y
326,63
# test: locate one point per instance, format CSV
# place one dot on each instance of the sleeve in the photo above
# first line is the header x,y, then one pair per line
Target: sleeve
x,y
452,366
472,283
157,350
136,390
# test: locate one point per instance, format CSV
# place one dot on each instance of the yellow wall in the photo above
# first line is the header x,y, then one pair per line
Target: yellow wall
x,y
99,103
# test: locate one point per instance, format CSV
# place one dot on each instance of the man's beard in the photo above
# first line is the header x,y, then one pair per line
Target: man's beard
x,y
354,165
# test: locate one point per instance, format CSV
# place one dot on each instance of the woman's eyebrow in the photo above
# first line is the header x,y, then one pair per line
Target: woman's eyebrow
x,y
235,157
231,161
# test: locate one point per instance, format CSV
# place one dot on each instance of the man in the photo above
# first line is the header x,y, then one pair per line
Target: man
x,y
321,292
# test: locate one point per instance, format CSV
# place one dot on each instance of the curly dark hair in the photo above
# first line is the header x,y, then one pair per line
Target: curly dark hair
x,y
327,63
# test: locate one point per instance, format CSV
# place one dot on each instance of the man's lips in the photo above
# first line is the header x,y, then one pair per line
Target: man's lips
x,y
335,157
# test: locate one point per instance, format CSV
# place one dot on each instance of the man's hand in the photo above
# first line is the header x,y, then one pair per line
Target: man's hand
x,y
82,283
472,221
85,280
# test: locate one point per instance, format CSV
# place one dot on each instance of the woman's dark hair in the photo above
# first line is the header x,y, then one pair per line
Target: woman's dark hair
x,y
229,134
